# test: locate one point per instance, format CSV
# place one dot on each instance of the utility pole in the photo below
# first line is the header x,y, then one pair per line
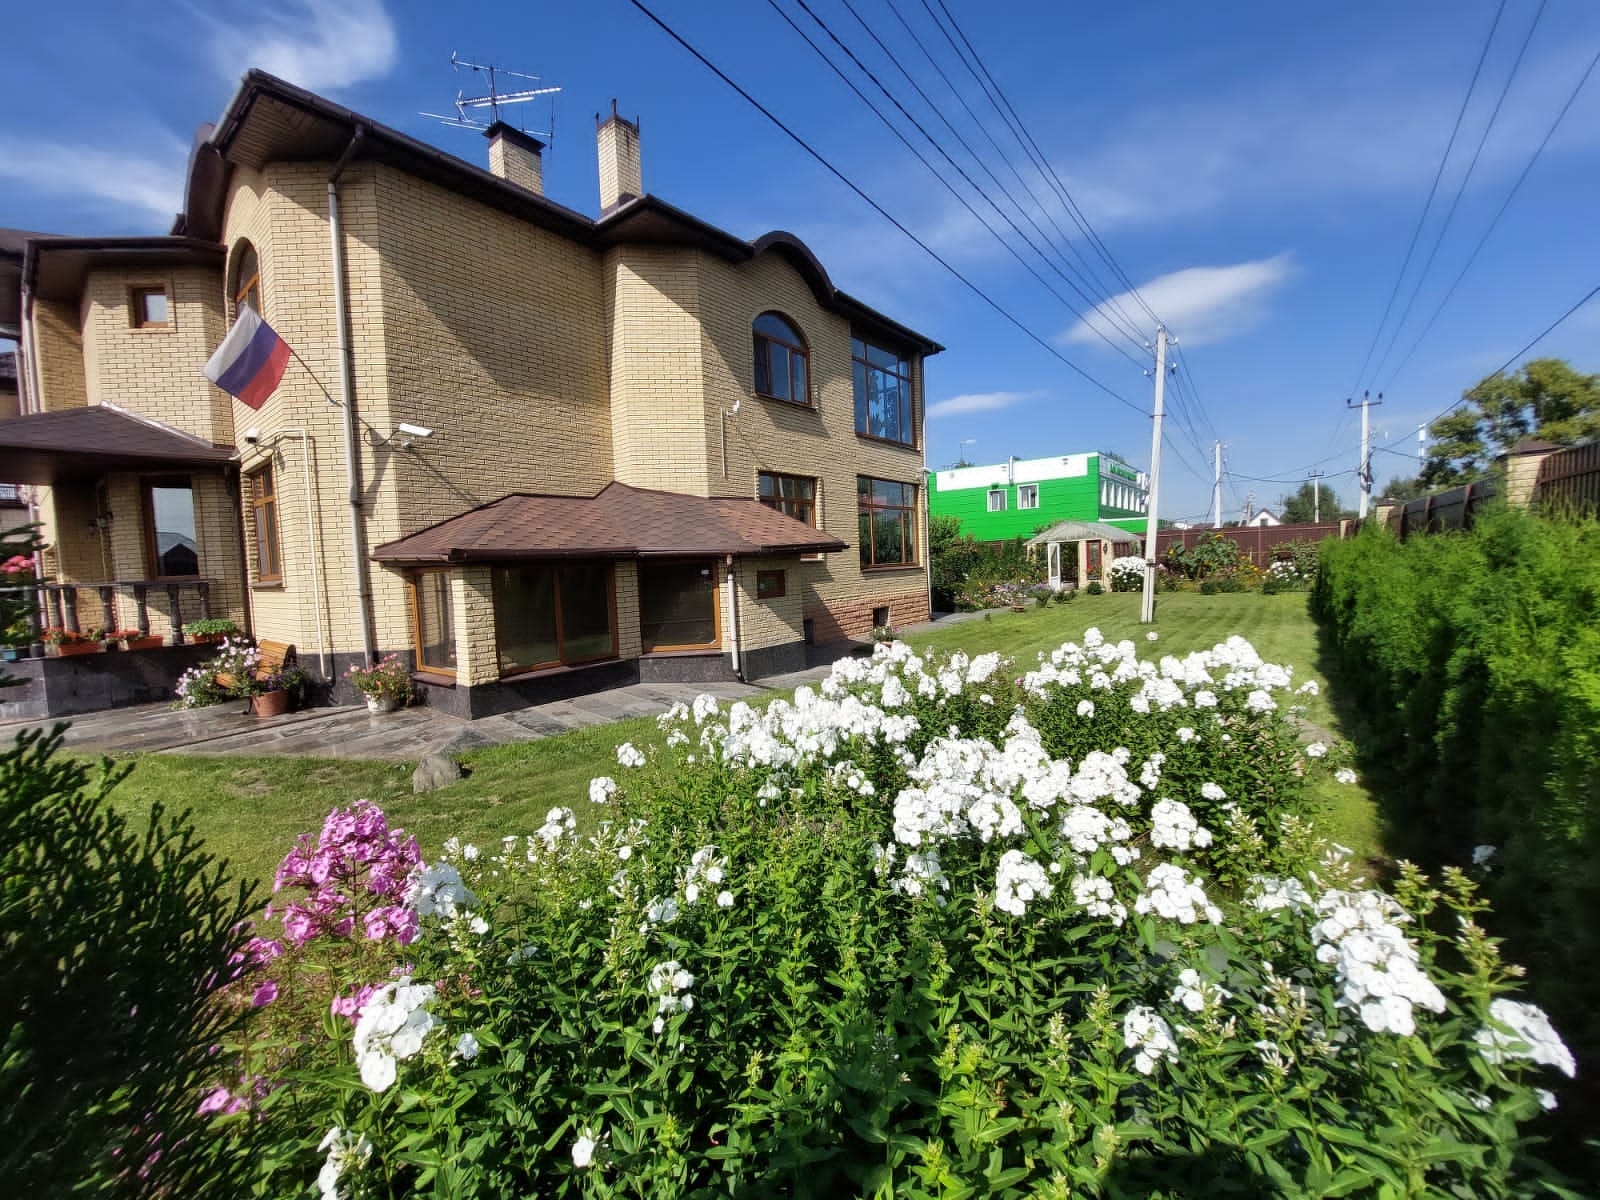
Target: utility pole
x,y
1216,489
1316,495
1147,610
1365,473
1422,446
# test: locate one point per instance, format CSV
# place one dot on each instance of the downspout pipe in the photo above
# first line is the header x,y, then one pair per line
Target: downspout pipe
x,y
733,619
352,443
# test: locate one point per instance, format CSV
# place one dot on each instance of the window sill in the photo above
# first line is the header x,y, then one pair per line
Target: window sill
x,y
684,652
882,567
268,585
433,678
559,669
883,441
803,406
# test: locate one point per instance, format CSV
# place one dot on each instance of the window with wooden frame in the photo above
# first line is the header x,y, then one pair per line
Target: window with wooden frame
x,y
264,521
149,308
246,278
433,624
794,496
783,364
549,616
771,584
172,548
882,382
678,605
887,514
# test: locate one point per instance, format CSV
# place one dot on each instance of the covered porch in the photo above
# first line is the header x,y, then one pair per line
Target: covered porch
x,y
1079,553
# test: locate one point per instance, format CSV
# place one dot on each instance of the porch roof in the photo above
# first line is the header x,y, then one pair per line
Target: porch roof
x,y
619,522
84,443
1084,531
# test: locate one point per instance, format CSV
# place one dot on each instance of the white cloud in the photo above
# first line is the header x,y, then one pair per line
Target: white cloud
x,y
974,402
320,45
139,185
1198,304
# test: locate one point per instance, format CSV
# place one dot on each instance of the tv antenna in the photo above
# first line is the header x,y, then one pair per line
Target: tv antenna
x,y
469,109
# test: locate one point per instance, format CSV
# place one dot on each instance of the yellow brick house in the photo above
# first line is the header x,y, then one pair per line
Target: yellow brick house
x,y
533,451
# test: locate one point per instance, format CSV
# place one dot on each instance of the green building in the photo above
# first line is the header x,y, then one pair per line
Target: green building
x,y
1021,496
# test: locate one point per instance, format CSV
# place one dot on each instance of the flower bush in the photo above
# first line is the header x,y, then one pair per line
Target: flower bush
x,y
933,928
388,679
55,636
1126,573
231,675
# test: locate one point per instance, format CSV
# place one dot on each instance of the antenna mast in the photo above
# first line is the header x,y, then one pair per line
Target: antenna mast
x,y
468,107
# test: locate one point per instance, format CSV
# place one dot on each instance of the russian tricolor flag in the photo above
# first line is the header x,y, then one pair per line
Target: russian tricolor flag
x,y
251,359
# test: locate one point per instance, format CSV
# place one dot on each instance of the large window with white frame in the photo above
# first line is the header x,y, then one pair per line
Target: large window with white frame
x,y
1027,495
997,500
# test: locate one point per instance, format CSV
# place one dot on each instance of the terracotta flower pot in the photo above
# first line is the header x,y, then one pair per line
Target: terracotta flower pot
x,y
145,643
270,704
72,649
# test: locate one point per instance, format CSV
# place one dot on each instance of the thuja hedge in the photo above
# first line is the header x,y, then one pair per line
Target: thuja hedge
x,y
1474,659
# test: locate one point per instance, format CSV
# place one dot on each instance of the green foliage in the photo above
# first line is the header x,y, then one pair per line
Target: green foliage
x,y
1544,398
1094,588
211,627
1302,507
968,576
1476,658
1212,556
115,945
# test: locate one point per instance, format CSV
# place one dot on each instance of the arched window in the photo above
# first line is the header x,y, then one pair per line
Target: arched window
x,y
246,287
782,361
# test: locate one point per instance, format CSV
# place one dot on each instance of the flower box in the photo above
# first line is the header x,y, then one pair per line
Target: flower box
x,y
144,643
72,649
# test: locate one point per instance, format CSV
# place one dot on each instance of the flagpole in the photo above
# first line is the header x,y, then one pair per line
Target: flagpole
x,y
295,354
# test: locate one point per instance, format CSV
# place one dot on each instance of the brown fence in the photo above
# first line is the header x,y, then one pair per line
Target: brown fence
x,y
1257,543
1570,479
1453,509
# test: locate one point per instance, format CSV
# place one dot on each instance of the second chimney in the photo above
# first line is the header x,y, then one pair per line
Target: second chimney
x,y
515,157
620,175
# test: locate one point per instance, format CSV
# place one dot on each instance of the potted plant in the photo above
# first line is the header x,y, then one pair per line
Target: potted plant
x,y
387,685
133,639
65,643
210,629
281,693
14,639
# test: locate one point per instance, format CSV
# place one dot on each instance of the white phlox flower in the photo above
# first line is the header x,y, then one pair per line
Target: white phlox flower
x,y
1212,791
1344,775
438,891
1094,894
467,1047
1086,708
1316,750
1523,1031
1481,855
390,1029
1174,826
1194,993
1185,734
583,1149
347,1151
1378,969
1148,1034
1018,881
1270,895
558,823
1260,701
602,789
629,755
923,875
669,986
660,911
1170,892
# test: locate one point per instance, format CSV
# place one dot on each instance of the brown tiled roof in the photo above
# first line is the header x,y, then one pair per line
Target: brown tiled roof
x,y
76,443
620,522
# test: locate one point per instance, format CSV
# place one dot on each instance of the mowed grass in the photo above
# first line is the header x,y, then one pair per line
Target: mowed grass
x,y
250,810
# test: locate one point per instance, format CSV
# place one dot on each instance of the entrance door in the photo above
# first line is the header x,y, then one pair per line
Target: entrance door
x,y
1053,557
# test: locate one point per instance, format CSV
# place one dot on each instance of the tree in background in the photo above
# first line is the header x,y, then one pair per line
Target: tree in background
x,y
1544,399
1301,508
1404,489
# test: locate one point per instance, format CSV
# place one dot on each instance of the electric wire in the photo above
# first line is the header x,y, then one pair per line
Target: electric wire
x,y
828,166
1461,189
932,170
1495,220
1427,204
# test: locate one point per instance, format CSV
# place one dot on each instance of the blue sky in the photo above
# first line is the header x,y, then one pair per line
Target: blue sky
x,y
1255,169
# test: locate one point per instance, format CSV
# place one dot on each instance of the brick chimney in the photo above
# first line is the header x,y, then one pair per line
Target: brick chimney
x,y
620,177
514,157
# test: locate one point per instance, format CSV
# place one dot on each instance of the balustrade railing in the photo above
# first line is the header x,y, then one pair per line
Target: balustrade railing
x,y
106,603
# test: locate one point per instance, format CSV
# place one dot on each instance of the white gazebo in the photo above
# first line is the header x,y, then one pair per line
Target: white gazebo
x,y
1096,542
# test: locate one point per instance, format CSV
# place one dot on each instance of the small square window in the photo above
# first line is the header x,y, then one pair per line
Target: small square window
x,y
151,309
771,584
1027,495
997,501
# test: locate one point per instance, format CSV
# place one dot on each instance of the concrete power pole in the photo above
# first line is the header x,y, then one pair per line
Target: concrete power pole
x,y
1365,473
1147,610
1216,489
1316,495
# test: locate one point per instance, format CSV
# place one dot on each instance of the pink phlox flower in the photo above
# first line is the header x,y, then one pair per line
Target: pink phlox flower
x,y
265,994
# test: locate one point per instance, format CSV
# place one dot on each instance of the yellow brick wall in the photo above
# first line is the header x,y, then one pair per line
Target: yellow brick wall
x,y
820,443
59,339
774,622
156,371
659,415
630,643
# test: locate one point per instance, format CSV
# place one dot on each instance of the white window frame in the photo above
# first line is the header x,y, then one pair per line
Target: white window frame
x,y
1027,495
994,495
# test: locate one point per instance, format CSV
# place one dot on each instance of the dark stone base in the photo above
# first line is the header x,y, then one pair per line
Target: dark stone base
x,y
776,660
715,667
509,695
59,687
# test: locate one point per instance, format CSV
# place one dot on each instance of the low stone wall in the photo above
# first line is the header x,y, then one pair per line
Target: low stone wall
x,y
59,687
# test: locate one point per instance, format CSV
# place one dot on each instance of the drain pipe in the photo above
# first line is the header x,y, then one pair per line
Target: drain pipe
x,y
341,316
733,619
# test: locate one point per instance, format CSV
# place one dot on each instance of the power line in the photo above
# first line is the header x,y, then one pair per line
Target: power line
x,y
1427,204
1461,189
880,210
1495,220
932,170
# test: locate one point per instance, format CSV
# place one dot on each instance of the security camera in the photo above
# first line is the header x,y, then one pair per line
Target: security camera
x,y
416,431
252,436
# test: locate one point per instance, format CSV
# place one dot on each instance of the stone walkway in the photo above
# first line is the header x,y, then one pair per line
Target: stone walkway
x,y
404,736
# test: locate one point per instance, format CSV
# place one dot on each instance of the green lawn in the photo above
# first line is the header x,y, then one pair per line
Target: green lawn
x,y
249,810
